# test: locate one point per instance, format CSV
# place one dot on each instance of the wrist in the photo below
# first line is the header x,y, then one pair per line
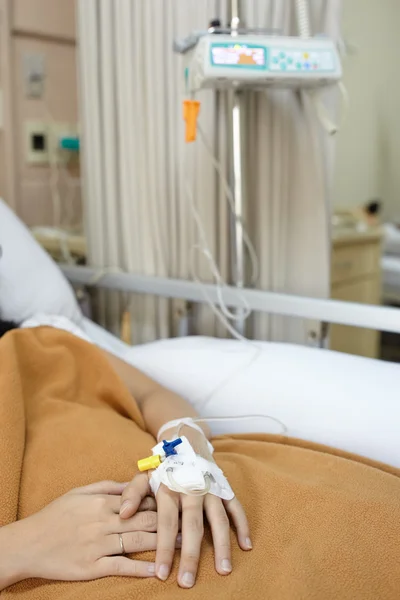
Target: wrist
x,y
13,559
197,440
175,426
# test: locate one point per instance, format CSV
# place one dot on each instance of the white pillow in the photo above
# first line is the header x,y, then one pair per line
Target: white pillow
x,y
30,282
341,401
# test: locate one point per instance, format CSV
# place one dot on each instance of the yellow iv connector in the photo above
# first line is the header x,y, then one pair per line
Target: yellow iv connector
x,y
152,462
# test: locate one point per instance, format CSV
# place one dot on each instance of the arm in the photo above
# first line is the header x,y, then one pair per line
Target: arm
x,y
12,555
159,405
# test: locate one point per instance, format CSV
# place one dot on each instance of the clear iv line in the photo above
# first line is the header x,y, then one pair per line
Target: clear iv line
x,y
243,418
235,418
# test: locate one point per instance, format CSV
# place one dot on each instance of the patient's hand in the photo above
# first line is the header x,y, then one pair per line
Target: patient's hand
x,y
76,537
169,504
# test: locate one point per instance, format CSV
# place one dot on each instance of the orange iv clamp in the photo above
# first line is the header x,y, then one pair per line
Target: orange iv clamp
x,y
191,109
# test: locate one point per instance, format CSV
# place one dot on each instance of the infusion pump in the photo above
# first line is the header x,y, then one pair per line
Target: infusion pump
x,y
257,61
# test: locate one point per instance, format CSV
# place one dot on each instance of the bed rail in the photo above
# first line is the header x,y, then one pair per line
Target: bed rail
x,y
328,311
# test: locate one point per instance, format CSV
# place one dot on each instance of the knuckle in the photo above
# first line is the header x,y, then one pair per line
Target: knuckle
x,y
100,504
138,541
165,491
107,483
191,558
221,520
117,567
167,553
195,525
149,520
169,523
134,568
224,548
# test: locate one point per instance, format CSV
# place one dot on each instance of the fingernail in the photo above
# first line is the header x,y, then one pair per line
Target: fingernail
x,y
226,565
151,569
248,543
188,580
125,507
163,572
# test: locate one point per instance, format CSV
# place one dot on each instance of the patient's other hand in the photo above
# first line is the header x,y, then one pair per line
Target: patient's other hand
x,y
78,536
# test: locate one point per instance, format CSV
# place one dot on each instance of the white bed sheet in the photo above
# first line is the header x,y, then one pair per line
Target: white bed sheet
x,y
321,396
104,339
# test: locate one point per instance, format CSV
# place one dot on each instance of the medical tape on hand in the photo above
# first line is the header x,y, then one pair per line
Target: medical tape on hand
x,y
189,472
178,423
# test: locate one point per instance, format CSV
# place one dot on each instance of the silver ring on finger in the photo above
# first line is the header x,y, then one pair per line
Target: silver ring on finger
x,y
121,543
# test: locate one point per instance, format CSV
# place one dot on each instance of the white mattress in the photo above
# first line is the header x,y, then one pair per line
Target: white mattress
x,y
321,396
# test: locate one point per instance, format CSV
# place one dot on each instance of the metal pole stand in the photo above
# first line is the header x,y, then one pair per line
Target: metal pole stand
x,y
238,255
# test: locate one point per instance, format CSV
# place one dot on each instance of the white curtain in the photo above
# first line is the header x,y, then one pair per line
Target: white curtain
x,y
138,169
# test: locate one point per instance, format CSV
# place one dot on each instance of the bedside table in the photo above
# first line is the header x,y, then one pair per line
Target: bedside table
x,y
356,277
73,243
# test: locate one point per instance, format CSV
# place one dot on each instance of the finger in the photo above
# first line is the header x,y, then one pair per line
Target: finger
x,y
133,494
192,535
134,541
123,567
220,529
167,530
143,521
239,519
142,542
112,502
102,487
148,503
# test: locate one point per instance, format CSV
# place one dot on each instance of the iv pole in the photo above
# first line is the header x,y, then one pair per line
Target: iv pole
x,y
238,256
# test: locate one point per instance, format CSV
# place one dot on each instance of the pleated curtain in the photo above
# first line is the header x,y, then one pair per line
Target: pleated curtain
x,y
139,173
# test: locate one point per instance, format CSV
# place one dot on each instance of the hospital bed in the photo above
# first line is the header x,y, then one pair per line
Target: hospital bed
x,y
321,396
343,401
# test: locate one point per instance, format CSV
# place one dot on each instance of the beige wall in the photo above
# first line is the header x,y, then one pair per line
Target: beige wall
x,y
45,27
52,18
368,152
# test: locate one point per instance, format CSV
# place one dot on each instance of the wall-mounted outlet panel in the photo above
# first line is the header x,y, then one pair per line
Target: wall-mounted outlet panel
x,y
57,131
36,143
34,75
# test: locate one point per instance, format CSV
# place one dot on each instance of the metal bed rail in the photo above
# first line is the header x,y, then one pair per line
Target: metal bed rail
x,y
327,311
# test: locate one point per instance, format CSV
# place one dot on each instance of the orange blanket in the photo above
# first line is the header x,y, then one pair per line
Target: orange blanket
x,y
325,525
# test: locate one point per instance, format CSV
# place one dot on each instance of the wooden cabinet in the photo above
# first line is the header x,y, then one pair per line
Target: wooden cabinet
x,y
356,277
66,248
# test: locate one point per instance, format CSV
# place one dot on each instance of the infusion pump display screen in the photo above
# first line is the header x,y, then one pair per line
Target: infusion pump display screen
x,y
248,56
